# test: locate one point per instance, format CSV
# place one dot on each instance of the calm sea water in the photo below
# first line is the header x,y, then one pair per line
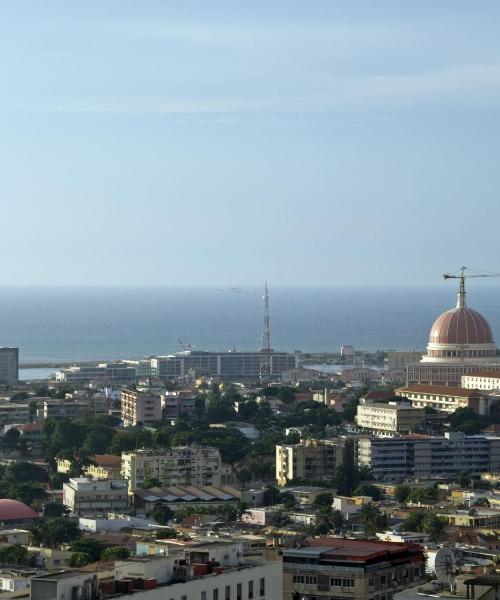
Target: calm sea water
x,y
73,324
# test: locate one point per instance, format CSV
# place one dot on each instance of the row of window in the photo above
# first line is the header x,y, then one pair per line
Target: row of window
x,y
239,592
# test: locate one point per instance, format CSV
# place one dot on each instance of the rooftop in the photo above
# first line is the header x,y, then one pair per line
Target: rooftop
x,y
442,390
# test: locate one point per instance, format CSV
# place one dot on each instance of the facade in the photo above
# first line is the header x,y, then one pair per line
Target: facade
x,y
82,494
400,360
65,408
9,365
445,398
179,466
424,457
482,380
117,372
139,407
311,460
460,343
389,418
173,405
226,365
14,412
361,569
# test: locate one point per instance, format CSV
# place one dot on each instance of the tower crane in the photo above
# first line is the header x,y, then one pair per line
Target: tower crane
x,y
462,275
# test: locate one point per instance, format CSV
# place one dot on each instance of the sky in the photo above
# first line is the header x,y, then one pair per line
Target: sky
x,y
215,142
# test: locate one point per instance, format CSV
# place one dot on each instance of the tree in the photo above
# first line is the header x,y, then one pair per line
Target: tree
x,y
286,395
424,495
92,548
79,559
15,554
55,509
347,475
33,494
367,489
402,493
116,553
280,519
53,532
323,499
272,496
372,518
289,501
433,525
244,475
161,513
328,519
26,471
10,440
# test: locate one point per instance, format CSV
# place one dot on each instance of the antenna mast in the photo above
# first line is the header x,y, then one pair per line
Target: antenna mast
x,y
265,347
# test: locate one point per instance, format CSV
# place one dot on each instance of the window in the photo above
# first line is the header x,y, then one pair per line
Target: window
x,y
203,595
250,590
305,579
262,587
215,594
239,593
184,598
227,595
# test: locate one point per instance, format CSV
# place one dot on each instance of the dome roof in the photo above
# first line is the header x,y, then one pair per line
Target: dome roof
x,y
461,325
13,510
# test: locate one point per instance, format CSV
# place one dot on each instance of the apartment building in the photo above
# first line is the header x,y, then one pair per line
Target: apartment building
x,y
173,405
112,372
340,568
226,365
82,494
14,412
390,417
311,460
178,466
426,457
184,576
482,380
139,407
65,408
444,398
9,365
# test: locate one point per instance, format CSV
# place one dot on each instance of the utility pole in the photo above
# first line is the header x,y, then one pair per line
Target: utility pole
x,y
265,347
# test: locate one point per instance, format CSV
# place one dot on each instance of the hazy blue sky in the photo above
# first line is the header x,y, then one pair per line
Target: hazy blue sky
x,y
229,142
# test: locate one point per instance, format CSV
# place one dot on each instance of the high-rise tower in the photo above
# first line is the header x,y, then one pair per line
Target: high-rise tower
x,y
265,346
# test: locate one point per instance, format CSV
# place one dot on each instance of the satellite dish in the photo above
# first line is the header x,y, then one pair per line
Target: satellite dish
x,y
446,566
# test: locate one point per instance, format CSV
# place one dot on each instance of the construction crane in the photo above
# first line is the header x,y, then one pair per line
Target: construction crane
x,y
463,276
185,347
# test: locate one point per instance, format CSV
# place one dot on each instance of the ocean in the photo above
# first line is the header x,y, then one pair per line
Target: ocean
x,y
77,324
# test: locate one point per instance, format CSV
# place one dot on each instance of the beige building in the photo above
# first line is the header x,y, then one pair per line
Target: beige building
x,y
391,417
139,407
179,466
105,466
400,360
82,494
444,398
356,569
311,460
482,380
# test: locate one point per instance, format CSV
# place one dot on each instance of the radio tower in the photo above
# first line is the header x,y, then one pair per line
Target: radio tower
x,y
265,346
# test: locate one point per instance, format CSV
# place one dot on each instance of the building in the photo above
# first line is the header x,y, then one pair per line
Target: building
x,y
349,505
176,497
460,343
361,569
179,466
445,398
14,513
14,412
175,404
401,360
482,380
139,407
311,460
424,457
64,408
82,494
15,580
391,417
112,372
224,365
9,365
65,585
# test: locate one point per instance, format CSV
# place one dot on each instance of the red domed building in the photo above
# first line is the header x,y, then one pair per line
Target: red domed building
x,y
460,342
14,513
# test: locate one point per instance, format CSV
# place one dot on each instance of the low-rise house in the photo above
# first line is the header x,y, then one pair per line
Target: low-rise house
x,y
176,497
349,505
445,398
